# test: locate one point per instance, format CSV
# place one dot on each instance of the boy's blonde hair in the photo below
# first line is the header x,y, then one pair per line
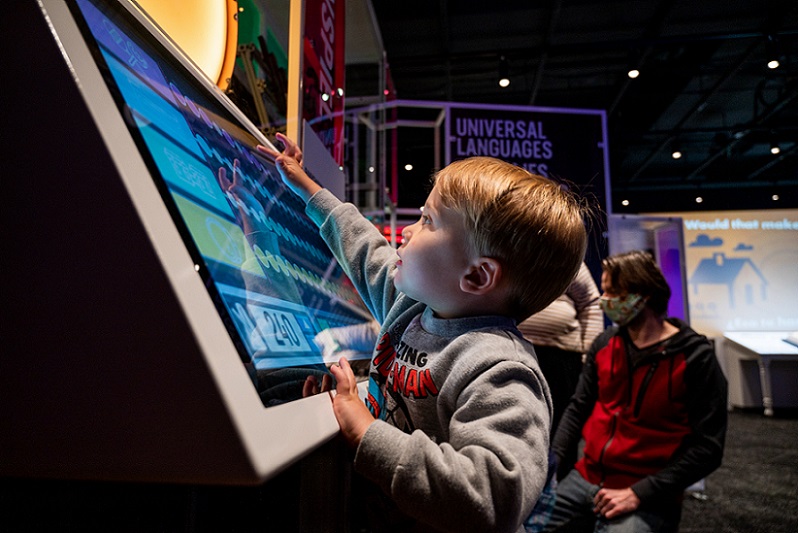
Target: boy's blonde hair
x,y
531,225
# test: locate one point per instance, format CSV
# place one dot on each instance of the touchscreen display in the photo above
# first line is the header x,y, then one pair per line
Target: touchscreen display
x,y
273,280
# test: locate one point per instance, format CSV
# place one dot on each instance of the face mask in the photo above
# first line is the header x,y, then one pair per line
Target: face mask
x,y
622,310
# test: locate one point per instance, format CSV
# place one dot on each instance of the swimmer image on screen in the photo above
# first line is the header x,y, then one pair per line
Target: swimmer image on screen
x,y
272,278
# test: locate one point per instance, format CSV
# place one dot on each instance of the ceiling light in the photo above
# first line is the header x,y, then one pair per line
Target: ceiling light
x,y
775,197
633,73
408,167
698,200
676,150
625,202
772,52
504,72
774,143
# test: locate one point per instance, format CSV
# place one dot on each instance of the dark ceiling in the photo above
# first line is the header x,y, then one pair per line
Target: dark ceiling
x,y
704,84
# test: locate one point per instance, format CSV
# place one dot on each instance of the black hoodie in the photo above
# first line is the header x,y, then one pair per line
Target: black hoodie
x,y
653,419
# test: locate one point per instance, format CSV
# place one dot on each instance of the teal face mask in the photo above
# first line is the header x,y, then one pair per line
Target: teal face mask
x,y
622,310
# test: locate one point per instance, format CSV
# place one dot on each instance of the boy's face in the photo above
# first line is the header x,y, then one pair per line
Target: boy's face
x,y
434,257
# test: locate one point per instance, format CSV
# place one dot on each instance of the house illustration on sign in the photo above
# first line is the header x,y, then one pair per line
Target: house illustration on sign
x,y
729,281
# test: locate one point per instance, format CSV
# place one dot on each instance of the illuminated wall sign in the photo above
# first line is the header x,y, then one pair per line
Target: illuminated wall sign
x,y
558,143
741,272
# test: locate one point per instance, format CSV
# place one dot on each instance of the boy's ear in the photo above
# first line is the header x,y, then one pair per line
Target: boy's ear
x,y
482,277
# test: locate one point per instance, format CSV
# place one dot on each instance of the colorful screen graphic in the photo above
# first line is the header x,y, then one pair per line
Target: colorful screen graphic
x,y
273,280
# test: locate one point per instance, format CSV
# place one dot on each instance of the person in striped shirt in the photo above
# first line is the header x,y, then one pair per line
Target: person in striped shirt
x,y
562,333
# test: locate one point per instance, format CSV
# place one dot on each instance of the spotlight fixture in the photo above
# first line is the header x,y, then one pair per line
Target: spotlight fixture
x,y
774,143
633,63
676,150
504,72
773,52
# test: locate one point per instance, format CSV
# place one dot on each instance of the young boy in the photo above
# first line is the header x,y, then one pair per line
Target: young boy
x,y
456,431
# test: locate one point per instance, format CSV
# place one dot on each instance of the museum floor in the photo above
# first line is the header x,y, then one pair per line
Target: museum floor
x,y
756,488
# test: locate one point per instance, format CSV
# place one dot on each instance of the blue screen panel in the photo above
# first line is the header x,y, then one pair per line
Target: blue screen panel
x,y
273,280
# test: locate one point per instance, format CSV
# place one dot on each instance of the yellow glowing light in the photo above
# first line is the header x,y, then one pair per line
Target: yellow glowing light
x,y
206,30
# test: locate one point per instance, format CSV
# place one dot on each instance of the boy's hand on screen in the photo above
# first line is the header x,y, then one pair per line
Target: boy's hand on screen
x,y
289,164
352,414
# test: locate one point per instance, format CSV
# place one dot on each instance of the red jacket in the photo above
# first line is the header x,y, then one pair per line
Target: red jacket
x,y
656,426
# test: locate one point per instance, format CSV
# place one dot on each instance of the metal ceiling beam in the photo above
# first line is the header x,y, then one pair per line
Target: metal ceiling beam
x,y
786,154
653,30
554,14
698,106
443,13
415,61
790,95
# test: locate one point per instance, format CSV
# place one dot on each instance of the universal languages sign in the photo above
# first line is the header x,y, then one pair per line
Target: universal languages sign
x,y
566,144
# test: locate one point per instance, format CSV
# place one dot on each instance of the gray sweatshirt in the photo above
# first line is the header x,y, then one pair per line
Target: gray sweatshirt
x,y
462,437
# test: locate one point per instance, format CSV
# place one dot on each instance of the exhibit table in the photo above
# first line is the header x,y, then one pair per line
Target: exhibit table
x,y
765,347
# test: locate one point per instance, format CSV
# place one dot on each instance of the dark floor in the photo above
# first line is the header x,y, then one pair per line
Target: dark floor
x,y
754,491
756,488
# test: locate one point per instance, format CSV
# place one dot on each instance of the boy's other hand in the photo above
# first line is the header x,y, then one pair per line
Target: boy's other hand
x,y
289,164
311,386
351,412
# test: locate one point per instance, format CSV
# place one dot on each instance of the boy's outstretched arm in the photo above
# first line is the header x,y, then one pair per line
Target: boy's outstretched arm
x,y
289,163
351,412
